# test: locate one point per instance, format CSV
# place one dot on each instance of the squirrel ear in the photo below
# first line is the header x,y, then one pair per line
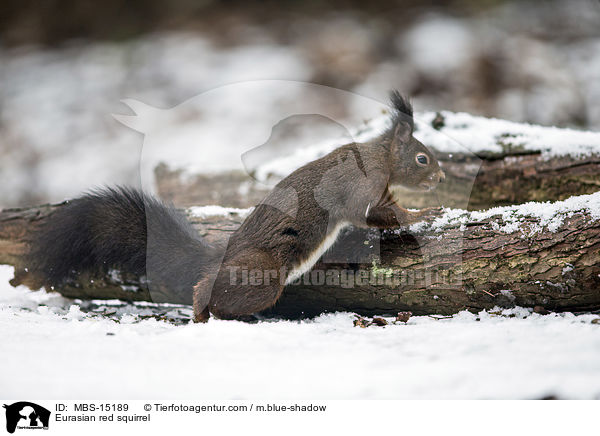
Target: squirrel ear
x,y
402,132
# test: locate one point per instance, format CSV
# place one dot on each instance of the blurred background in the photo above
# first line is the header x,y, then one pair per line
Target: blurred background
x,y
66,64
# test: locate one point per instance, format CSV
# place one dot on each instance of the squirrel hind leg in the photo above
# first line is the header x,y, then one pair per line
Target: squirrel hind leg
x,y
201,298
247,283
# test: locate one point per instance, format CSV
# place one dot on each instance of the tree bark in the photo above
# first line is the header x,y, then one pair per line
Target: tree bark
x,y
515,177
475,266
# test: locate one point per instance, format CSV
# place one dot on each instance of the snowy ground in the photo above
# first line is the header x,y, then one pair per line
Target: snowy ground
x,y
54,348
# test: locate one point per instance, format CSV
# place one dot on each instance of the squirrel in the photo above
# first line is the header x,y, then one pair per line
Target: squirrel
x,y
127,230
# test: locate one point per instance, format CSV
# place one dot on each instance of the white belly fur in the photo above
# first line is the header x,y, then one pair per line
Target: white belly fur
x,y
315,255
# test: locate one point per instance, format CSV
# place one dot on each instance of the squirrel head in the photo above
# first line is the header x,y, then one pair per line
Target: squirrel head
x,y
413,166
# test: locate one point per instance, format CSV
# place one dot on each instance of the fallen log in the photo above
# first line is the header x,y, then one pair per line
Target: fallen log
x,y
545,256
500,164
472,182
474,265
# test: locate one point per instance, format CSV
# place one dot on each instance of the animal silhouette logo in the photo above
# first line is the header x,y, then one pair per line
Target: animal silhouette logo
x,y
270,128
26,415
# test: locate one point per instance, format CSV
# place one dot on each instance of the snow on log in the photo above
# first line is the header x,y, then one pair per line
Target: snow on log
x,y
536,254
488,162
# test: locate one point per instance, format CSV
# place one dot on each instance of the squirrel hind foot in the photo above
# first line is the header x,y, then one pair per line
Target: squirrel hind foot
x,y
202,316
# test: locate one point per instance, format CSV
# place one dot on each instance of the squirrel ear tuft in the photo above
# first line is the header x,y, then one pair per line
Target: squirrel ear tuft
x,y
402,110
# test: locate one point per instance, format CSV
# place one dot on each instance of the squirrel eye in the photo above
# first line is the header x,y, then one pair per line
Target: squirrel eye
x,y
422,159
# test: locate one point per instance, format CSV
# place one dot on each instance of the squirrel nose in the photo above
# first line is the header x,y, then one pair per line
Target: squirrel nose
x,y
442,176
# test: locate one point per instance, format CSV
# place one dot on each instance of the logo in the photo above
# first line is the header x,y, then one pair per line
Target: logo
x,y
280,138
26,415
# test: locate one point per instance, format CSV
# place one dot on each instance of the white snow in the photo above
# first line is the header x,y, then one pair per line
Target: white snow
x,y
67,351
510,219
438,45
479,134
213,210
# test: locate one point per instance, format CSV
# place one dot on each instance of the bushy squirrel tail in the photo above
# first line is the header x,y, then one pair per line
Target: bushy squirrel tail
x,y
125,230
